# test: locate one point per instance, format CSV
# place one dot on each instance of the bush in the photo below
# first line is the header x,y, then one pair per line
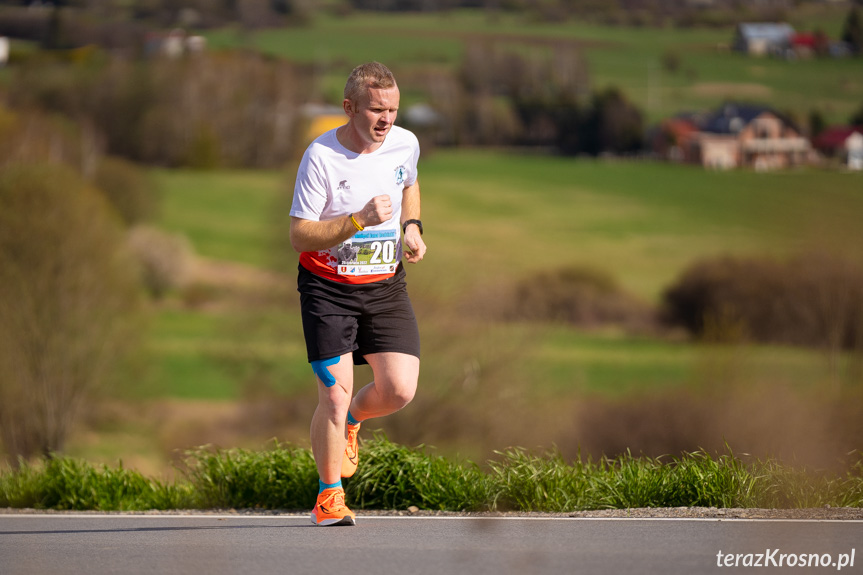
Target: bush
x,y
508,97
231,109
530,482
165,259
72,484
396,477
813,300
282,477
127,188
579,296
68,303
33,137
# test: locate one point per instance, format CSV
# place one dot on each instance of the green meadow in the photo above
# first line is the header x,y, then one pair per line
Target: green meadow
x,y
225,363
224,214
493,219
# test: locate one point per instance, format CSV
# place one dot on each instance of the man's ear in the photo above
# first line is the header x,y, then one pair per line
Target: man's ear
x,y
348,107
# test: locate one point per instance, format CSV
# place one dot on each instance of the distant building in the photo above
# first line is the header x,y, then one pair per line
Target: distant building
x,y
4,50
734,136
854,151
762,39
845,143
673,140
173,44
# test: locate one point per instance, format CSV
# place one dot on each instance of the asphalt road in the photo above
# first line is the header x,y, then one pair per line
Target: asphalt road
x,y
221,544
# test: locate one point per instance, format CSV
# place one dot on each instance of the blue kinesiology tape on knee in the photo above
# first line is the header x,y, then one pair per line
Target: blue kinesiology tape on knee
x,y
320,368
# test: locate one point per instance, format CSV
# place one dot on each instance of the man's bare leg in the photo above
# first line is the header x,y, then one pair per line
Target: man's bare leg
x,y
328,422
394,386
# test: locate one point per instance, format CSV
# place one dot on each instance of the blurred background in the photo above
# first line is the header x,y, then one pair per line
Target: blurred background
x,y
643,220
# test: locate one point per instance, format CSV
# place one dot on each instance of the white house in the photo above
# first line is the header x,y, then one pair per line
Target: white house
x,y
843,143
761,39
4,50
854,149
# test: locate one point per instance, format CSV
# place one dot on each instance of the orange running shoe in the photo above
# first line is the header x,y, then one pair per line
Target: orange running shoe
x,y
330,509
352,452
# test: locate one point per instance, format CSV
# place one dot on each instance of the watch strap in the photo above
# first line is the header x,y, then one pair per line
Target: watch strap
x,y
418,223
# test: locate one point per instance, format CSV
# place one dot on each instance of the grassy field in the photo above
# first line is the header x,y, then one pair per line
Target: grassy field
x,y
614,365
226,362
224,214
630,58
229,368
495,218
504,216
643,222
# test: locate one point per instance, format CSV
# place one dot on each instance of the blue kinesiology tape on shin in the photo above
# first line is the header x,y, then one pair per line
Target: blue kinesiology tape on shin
x,y
320,369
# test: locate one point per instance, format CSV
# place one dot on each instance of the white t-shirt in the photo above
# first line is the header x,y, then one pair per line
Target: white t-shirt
x,y
333,182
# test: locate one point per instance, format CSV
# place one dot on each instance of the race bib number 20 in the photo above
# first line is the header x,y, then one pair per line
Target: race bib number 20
x,y
369,252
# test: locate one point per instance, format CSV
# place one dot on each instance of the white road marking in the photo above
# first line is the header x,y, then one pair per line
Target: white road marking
x,y
362,517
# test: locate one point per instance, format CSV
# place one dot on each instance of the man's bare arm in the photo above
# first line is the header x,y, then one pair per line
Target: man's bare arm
x,y
312,236
411,202
411,211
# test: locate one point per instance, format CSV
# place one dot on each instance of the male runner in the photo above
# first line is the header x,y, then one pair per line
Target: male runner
x,y
356,193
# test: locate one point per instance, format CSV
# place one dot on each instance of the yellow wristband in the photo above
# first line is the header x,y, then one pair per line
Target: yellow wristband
x,y
356,223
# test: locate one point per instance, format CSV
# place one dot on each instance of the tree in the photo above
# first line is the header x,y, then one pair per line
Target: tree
x,y
817,123
55,35
852,31
613,124
70,299
857,118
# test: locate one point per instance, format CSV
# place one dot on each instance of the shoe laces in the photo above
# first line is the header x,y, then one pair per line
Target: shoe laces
x,y
336,499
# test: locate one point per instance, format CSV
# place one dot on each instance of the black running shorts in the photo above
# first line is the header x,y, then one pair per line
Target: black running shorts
x,y
366,318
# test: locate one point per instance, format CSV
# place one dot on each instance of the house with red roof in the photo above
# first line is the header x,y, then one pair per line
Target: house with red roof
x,y
673,138
844,143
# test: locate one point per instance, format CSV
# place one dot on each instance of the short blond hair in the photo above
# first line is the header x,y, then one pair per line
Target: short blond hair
x,y
365,76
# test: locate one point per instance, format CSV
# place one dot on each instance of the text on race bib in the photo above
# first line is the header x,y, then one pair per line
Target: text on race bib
x,y
369,252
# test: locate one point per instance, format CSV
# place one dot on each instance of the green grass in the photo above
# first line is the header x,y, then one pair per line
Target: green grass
x,y
494,219
187,347
73,484
630,58
504,215
615,364
396,477
280,477
225,214
200,355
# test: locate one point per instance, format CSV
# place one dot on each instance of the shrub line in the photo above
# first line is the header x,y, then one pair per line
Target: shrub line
x,y
395,477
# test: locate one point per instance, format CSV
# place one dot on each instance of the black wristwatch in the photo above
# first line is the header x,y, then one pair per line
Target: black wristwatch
x,y
409,222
